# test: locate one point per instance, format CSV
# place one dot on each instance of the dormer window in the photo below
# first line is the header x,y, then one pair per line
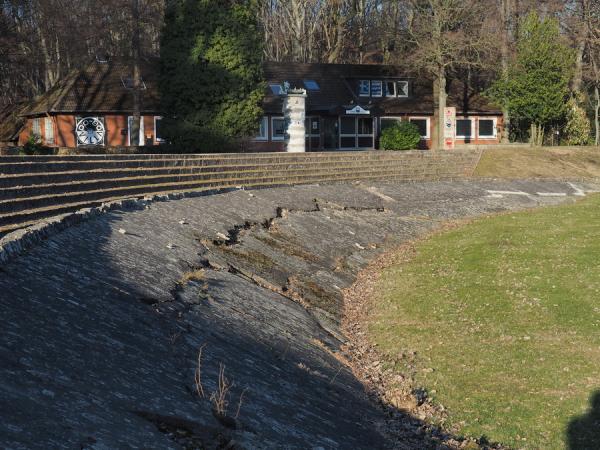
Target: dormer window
x,y
386,88
390,89
276,89
402,88
376,88
128,83
311,85
364,88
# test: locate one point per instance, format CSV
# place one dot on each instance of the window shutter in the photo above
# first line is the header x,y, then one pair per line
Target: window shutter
x,y
49,129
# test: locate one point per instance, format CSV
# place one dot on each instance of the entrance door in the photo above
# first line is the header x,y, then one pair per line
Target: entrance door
x,y
331,137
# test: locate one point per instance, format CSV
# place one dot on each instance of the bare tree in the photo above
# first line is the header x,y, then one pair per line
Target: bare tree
x,y
444,35
507,11
588,60
322,30
41,41
136,77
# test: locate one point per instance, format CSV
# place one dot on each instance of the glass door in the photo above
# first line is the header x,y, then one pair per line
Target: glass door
x,y
330,133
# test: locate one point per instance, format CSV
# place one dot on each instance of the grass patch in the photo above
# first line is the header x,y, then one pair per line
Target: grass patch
x,y
506,311
540,162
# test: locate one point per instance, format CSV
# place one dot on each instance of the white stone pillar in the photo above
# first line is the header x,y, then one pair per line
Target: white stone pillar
x,y
294,110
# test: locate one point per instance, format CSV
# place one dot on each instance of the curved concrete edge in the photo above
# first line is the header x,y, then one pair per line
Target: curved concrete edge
x,y
17,242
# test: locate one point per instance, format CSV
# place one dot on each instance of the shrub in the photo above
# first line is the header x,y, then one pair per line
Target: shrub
x,y
401,136
578,129
34,146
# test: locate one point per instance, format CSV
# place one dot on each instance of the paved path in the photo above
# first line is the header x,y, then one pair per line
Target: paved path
x,y
100,325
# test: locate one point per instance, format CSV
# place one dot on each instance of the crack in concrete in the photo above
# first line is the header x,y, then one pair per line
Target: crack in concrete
x,y
293,288
129,294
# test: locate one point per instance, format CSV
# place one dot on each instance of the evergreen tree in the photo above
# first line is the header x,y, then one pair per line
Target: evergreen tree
x,y
211,74
536,86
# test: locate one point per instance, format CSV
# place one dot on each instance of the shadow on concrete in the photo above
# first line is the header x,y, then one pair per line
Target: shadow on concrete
x,y
583,432
99,347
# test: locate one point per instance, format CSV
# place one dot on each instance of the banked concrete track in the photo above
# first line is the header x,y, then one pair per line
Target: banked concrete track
x,y
101,323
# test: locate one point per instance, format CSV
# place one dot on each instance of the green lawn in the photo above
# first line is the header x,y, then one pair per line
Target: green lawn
x,y
506,311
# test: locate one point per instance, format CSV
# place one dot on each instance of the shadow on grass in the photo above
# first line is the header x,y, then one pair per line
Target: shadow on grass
x,y
583,432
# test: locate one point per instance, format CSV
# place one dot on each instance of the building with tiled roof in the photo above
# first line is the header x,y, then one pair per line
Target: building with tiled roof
x,y
11,124
347,106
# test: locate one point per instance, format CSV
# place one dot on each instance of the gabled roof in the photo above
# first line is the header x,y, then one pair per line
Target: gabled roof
x,y
339,87
11,122
100,88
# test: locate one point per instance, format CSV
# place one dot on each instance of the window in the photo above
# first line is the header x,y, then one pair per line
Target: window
x,y
402,88
365,132
365,126
263,131
158,134
464,128
49,131
356,132
365,88
36,128
140,140
390,89
90,130
312,129
422,124
276,89
311,85
487,128
347,132
278,128
348,125
387,122
312,126
376,88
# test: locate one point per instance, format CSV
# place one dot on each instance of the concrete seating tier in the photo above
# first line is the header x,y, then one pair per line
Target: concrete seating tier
x,y
36,187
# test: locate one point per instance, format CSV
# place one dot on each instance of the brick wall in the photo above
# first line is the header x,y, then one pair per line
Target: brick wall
x,y
64,124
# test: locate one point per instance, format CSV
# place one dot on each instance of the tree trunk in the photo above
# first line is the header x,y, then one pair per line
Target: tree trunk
x,y
578,75
537,135
136,78
297,25
48,73
360,13
596,115
506,23
440,90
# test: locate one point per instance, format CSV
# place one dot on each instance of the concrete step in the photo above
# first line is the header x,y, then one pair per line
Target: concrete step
x,y
40,187
15,211
22,219
141,177
150,156
29,179
13,168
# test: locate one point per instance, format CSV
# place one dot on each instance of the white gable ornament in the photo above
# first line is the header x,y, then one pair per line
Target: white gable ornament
x,y
358,110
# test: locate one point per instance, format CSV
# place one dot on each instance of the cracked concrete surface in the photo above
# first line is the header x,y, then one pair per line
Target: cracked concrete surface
x,y
101,328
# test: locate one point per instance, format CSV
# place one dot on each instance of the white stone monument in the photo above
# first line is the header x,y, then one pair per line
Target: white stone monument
x,y
449,127
294,111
